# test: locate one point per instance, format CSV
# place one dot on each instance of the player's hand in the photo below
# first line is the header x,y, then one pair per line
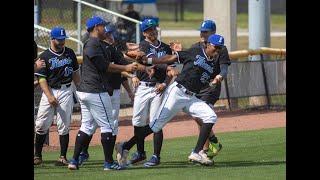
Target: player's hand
x,y
135,82
172,72
216,80
39,64
53,101
160,88
131,67
136,54
175,45
150,71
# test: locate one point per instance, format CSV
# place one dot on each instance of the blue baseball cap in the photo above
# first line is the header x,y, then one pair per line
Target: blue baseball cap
x,y
147,23
208,25
58,33
94,21
216,40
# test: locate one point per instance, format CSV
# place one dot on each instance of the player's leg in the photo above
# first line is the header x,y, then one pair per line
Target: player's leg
x,y
42,124
173,101
157,137
139,120
199,109
101,110
85,132
64,113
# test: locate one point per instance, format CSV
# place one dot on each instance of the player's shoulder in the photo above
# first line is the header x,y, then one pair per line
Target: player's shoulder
x,y
93,42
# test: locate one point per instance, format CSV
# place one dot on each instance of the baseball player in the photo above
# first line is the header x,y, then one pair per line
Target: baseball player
x,y
55,81
210,94
116,80
199,69
94,94
148,97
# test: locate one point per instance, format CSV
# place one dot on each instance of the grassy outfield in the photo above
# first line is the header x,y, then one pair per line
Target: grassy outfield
x,y
245,155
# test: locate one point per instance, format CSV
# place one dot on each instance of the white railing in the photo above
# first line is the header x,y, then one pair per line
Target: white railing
x,y
107,11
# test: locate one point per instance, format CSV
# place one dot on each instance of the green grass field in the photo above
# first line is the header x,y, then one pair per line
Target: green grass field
x,y
245,155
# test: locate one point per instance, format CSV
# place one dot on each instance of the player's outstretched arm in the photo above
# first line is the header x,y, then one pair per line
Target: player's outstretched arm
x,y
167,59
115,68
76,78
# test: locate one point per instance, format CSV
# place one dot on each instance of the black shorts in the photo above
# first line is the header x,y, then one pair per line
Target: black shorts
x,y
210,95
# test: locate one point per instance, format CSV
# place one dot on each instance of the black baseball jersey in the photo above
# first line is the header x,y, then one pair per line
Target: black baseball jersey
x,y
154,51
197,69
117,57
96,60
211,94
59,66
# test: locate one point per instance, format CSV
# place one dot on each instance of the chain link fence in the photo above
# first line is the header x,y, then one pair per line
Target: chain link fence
x,y
51,13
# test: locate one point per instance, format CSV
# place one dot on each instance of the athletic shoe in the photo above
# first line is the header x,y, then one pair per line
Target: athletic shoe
x,y
154,161
137,157
83,157
73,165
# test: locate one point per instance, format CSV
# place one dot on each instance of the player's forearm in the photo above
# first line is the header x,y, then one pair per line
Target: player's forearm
x,y
45,87
127,75
115,68
126,86
162,60
224,70
76,78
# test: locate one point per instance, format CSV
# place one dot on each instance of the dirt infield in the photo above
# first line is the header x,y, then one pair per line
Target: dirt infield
x,y
182,125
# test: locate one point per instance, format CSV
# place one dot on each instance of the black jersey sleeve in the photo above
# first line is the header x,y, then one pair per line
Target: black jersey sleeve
x,y
183,56
224,56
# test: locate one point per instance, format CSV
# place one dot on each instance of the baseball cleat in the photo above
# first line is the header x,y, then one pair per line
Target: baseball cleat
x,y
112,166
62,161
200,158
154,161
214,149
137,157
73,165
83,157
122,154
37,160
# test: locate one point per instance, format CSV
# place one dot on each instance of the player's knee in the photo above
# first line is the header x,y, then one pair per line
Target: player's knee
x,y
212,118
63,132
87,130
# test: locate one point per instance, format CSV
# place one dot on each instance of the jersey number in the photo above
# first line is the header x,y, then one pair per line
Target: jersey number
x,y
68,71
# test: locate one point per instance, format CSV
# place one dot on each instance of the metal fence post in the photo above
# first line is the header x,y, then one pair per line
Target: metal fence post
x,y
137,33
79,49
265,80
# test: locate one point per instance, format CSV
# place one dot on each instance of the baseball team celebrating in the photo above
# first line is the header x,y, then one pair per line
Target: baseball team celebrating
x,y
160,92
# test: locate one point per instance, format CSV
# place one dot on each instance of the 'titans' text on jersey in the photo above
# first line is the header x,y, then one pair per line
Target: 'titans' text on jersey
x,y
195,78
59,67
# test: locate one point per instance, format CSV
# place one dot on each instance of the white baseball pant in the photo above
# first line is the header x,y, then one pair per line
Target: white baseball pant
x,y
174,100
146,103
96,110
64,111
